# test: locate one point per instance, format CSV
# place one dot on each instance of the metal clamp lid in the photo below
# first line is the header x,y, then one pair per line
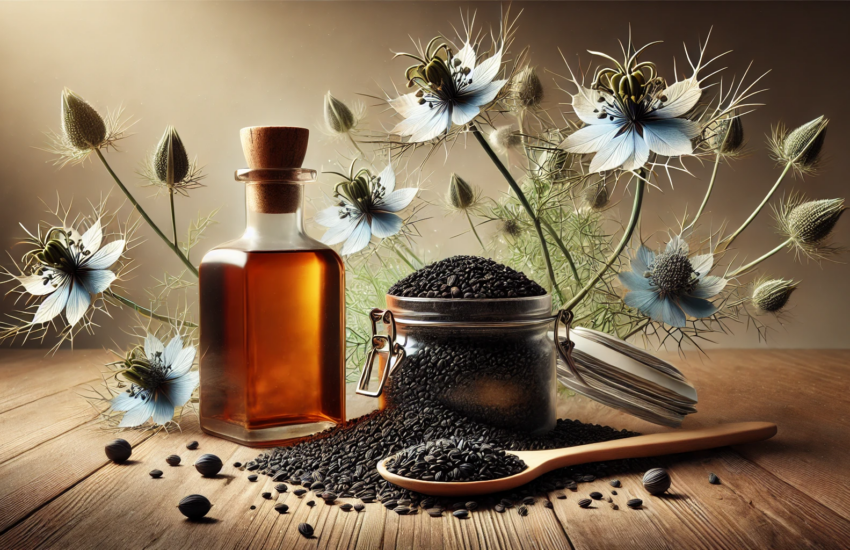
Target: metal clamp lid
x,y
565,346
380,343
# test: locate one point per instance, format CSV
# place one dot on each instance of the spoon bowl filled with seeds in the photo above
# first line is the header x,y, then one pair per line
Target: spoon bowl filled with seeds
x,y
452,467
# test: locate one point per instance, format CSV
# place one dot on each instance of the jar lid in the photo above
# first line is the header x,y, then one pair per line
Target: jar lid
x,y
471,312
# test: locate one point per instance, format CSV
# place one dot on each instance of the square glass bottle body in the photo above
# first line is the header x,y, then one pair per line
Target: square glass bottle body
x,y
272,334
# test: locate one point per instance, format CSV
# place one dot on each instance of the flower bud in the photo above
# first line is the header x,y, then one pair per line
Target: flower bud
x,y
526,89
503,139
726,136
596,196
808,224
170,161
802,147
83,127
338,117
510,227
461,195
772,295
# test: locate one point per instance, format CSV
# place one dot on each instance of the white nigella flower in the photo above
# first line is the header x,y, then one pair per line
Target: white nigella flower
x,y
669,285
69,269
452,90
160,379
630,111
367,206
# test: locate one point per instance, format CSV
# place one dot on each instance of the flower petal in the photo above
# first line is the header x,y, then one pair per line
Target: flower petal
x,y
163,409
124,402
464,112
702,263
105,257
153,345
92,238
96,281
646,256
672,314
387,176
180,390
137,415
671,138
466,56
617,151
480,96
341,231
79,301
328,217
590,139
439,122
484,73
359,238
639,155
633,281
34,284
643,300
677,243
397,200
585,102
385,224
172,350
182,363
709,287
697,307
53,304
405,105
681,98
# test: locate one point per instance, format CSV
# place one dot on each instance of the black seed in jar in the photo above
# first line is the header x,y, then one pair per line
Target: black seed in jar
x,y
299,492
194,506
435,512
596,495
656,481
192,445
208,465
548,504
118,451
634,503
305,529
237,464
522,510
452,460
345,507
461,514
281,488
281,508
585,502
266,495
252,477
614,483
713,479
359,507
471,505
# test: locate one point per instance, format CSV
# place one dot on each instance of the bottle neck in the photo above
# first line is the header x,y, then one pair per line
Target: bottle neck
x,y
260,224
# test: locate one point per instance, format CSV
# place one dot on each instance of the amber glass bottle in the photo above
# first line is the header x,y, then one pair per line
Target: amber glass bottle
x,y
272,309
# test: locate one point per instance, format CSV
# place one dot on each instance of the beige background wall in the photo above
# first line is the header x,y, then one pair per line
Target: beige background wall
x,y
212,68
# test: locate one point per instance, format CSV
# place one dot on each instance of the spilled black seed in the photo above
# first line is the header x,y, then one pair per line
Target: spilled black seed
x,y
155,473
461,514
192,445
585,502
305,529
281,508
634,503
522,510
713,479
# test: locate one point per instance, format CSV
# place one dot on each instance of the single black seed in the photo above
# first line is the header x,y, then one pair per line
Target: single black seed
x,y
281,508
299,492
392,503
614,483
266,495
208,465
634,503
194,506
548,504
156,473
359,507
435,512
471,505
311,503
252,477
613,492
172,460
499,508
596,495
522,510
253,507
562,497
305,529
192,445
237,464
118,451
656,481
615,507
713,479
281,488
345,507
461,514
585,502
401,510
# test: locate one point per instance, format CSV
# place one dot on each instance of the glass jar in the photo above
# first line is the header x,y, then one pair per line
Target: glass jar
x,y
492,360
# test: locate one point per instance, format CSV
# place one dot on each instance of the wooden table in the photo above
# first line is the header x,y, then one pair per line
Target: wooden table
x,y
58,490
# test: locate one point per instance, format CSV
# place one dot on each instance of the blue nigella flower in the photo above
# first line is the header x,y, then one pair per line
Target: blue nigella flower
x,y
160,379
670,285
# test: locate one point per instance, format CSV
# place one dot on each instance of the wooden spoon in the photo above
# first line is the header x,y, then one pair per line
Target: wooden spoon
x,y
540,462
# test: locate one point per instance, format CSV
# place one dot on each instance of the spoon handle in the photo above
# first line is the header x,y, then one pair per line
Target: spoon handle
x,y
659,444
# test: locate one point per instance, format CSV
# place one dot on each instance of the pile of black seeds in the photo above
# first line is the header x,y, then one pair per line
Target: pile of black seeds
x,y
454,460
504,379
466,277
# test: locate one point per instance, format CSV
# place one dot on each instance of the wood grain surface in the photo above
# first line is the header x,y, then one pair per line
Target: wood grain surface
x,y
58,490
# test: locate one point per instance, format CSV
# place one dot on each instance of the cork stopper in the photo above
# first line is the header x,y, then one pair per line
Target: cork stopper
x,y
274,178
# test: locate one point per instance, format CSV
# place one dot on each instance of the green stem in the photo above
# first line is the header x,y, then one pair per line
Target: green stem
x,y
563,248
403,258
474,232
412,254
147,218
707,192
145,311
521,196
728,240
173,216
630,228
752,264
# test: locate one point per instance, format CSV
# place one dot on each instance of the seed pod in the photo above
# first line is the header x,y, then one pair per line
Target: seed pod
x,y
634,503
192,445
713,479
155,473
281,508
118,451
461,195
585,502
305,529
726,136
656,481
170,161
596,196
803,145
338,117
208,465
82,125
526,89
772,295
808,224
194,506
503,139
173,460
